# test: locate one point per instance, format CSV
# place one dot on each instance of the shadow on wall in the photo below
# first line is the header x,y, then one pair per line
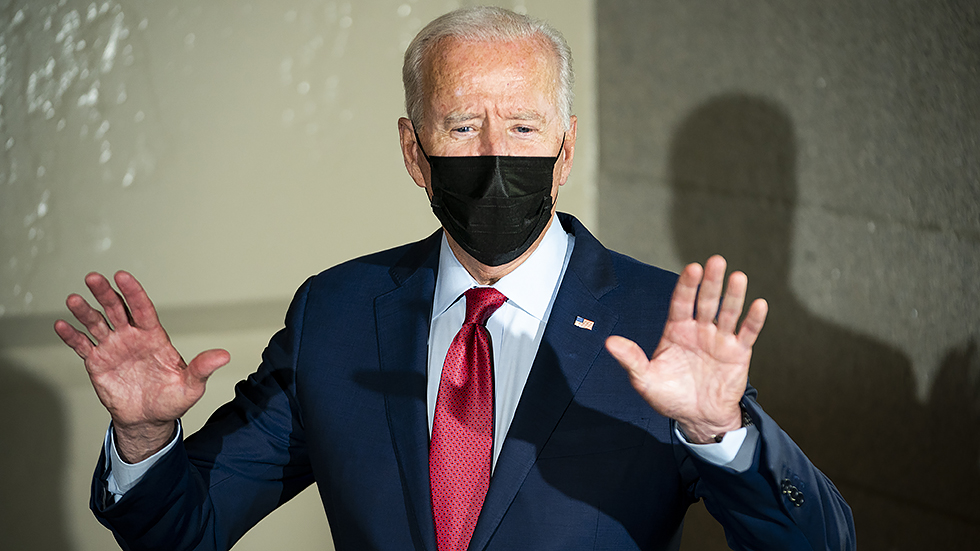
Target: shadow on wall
x,y
910,471
32,463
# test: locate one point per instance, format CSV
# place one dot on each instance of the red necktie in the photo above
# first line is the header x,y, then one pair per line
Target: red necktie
x,y
462,428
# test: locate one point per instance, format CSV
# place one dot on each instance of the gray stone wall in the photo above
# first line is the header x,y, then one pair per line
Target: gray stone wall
x,y
829,149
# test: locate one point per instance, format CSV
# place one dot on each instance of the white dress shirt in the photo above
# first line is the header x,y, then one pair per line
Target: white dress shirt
x,y
515,330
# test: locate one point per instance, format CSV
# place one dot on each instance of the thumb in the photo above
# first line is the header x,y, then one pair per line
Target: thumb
x,y
207,362
627,353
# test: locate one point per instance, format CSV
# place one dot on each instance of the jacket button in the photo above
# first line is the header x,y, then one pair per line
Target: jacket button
x,y
792,493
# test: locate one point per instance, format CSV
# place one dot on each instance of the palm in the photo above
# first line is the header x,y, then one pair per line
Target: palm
x,y
137,373
140,377
699,371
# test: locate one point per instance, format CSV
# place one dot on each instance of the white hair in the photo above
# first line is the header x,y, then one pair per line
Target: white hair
x,y
484,24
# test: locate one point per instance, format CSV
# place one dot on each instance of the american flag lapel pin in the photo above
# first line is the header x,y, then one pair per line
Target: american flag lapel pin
x,y
584,323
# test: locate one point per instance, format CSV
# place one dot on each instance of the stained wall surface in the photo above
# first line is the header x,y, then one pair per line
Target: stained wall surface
x,y
830,150
222,151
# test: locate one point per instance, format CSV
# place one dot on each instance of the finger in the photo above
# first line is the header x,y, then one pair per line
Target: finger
x,y
112,303
731,306
753,323
74,338
207,362
141,308
89,317
709,294
627,353
685,292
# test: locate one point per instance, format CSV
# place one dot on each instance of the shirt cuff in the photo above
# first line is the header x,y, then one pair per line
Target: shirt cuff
x,y
726,452
123,476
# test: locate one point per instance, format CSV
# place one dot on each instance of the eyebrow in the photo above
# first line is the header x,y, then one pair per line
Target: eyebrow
x,y
455,118
527,115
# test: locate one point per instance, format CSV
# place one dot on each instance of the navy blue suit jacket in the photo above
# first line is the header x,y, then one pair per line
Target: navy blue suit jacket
x,y
339,399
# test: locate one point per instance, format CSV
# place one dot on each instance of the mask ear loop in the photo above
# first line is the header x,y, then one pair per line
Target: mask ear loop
x,y
418,142
561,149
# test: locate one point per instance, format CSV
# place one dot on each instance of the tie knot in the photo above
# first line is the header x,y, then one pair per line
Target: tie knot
x,y
481,303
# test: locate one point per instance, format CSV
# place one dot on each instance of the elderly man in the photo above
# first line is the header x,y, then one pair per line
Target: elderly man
x,y
463,392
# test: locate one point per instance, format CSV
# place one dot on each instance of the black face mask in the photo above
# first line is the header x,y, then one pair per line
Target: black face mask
x,y
494,207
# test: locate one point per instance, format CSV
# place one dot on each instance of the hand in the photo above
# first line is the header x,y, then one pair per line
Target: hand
x,y
699,371
137,373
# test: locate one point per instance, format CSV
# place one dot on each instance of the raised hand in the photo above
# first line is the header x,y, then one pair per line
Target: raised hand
x,y
699,371
137,373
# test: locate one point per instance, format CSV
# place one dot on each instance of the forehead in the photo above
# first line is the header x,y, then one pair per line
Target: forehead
x,y
460,68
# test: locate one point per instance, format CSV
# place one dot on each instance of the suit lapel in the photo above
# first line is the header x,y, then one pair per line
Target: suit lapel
x,y
565,356
403,327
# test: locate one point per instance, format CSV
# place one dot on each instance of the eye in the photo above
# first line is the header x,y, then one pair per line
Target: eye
x,y
523,129
463,129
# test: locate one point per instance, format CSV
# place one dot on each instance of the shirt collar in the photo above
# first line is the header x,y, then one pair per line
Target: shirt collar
x,y
529,287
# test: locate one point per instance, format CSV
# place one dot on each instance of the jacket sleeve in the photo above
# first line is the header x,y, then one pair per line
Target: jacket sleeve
x,y
782,501
249,458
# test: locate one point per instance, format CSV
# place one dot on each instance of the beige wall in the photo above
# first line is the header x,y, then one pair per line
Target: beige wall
x,y
222,152
828,148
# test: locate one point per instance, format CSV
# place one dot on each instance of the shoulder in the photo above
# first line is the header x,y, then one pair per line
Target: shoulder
x,y
348,290
379,271
633,272
605,271
643,292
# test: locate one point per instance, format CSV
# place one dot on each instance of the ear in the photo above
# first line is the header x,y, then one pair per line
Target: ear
x,y
411,153
568,150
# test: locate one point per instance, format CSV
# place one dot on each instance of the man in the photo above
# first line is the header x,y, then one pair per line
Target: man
x,y
456,393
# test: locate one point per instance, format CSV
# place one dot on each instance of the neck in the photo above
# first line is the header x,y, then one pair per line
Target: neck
x,y
488,275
